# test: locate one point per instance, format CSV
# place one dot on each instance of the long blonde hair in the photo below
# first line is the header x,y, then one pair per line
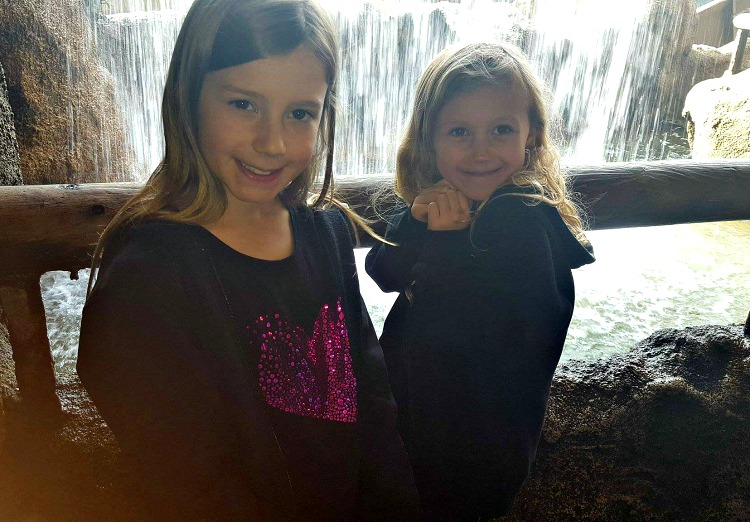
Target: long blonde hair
x,y
218,34
455,71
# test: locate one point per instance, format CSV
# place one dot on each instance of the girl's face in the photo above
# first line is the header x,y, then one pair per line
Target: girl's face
x,y
258,124
480,139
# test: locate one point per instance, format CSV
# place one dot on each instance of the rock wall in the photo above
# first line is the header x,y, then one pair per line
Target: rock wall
x,y
660,433
718,117
67,121
7,382
10,172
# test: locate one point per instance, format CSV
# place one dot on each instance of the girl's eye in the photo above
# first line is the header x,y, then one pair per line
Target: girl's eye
x,y
242,105
301,114
458,132
503,129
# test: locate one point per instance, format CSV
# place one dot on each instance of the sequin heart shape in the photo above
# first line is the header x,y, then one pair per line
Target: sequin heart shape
x,y
308,376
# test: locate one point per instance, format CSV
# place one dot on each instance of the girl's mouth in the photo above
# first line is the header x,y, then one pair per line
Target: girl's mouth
x,y
255,171
483,173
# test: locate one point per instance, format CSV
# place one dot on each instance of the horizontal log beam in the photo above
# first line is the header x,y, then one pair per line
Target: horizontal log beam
x,y
621,195
54,227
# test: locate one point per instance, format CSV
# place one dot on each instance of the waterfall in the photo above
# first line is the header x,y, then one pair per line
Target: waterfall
x,y
585,50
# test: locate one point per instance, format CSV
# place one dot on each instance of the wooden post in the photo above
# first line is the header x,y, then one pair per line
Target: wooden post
x,y
21,300
742,23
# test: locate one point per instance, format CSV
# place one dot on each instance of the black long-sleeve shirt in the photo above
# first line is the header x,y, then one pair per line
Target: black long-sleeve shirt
x,y
242,389
471,354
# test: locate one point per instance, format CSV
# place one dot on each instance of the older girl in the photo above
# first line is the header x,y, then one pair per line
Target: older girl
x,y
225,341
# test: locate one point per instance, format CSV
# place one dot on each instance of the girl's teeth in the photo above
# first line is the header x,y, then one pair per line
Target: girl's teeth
x,y
256,171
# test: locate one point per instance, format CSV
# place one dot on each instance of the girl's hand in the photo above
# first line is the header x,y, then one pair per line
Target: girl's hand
x,y
442,207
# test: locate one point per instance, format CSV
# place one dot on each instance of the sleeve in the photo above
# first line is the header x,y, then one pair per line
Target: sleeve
x,y
390,266
530,304
140,362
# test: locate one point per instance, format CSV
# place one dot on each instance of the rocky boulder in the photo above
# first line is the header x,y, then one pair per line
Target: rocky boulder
x,y
718,117
708,62
659,433
10,172
7,381
67,121
65,469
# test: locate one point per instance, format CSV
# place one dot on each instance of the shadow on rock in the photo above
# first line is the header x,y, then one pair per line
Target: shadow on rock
x,y
62,468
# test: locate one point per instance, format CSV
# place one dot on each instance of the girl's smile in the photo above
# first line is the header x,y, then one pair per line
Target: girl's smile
x,y
258,125
480,139
259,176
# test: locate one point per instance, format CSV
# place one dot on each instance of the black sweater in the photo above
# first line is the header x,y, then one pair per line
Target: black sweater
x,y
168,366
471,356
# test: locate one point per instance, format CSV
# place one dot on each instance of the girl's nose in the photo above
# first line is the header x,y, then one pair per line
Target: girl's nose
x,y
481,147
269,139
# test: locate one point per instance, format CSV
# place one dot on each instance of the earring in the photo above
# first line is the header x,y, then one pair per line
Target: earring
x,y
527,159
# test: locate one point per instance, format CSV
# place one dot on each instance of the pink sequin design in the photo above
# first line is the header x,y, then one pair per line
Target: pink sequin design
x,y
309,376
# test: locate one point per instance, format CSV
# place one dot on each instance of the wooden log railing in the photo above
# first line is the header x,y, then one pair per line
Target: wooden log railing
x,y
54,227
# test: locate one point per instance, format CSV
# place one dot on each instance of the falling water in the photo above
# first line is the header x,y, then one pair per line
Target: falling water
x,y
599,58
585,50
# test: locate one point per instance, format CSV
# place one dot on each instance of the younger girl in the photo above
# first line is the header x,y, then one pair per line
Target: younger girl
x,y
225,341
474,338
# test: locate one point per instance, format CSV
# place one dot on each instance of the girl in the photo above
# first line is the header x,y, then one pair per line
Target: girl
x,y
486,296
225,341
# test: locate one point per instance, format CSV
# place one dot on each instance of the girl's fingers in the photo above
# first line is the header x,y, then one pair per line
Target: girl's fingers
x,y
454,200
464,204
460,208
442,207
433,216
443,202
419,211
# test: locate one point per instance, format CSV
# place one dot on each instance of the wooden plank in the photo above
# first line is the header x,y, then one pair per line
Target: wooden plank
x,y
638,194
54,227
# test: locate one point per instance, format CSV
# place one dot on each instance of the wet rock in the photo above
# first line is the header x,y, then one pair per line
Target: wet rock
x,y
67,121
10,173
706,62
659,433
7,381
718,116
